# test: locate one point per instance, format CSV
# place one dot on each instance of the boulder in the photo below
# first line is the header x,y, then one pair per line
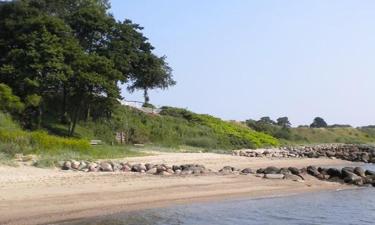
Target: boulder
x,y
369,172
333,172
351,178
175,167
67,165
346,171
359,171
152,170
273,176
365,157
260,170
284,171
271,170
294,170
313,171
247,171
106,167
75,165
82,165
292,177
138,168
126,168
149,166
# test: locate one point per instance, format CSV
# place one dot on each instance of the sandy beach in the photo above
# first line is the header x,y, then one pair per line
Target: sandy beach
x,y
30,195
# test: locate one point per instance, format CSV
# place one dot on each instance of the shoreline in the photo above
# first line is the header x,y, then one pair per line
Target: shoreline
x,y
31,195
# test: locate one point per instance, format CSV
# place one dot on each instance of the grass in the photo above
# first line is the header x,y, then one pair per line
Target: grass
x,y
331,135
50,148
172,129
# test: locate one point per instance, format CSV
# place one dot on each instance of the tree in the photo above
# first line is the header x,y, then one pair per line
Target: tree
x,y
9,102
266,120
284,122
66,58
318,123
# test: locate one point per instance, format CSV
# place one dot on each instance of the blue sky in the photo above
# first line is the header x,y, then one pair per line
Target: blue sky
x,y
243,59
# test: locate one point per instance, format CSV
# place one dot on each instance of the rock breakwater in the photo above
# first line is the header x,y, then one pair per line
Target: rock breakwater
x,y
349,152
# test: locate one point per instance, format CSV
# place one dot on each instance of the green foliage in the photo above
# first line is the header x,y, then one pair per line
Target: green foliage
x,y
9,102
318,123
67,59
51,149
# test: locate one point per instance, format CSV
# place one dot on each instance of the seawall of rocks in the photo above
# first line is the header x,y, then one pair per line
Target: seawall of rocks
x,y
350,175
349,152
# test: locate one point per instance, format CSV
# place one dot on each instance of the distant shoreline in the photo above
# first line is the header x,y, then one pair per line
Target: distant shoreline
x,y
32,196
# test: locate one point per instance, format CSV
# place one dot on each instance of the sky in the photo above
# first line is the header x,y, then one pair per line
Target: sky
x,y
242,59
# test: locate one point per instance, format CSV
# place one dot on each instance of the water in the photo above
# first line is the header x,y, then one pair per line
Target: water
x,y
356,207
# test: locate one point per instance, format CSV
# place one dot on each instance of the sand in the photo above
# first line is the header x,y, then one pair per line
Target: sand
x,y
30,195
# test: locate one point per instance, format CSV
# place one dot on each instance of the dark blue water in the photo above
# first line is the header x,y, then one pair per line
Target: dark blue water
x,y
354,207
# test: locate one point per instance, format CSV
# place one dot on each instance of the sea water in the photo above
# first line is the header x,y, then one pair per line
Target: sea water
x,y
354,207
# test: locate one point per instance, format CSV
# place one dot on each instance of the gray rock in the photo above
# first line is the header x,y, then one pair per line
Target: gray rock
x,y
271,170
67,165
152,170
75,165
292,177
106,167
294,170
247,171
274,176
313,171
351,178
333,172
359,171
149,166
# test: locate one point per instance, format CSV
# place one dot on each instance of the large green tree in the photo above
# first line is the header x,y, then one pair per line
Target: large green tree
x,y
67,57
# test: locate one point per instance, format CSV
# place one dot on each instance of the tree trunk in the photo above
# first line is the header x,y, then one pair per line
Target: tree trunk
x,y
145,95
73,122
63,117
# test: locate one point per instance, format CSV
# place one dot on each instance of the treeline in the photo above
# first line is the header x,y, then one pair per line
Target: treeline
x,y
66,59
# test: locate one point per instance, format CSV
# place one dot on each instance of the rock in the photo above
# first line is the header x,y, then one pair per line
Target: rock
x,y
152,170
294,170
106,167
260,170
149,166
82,165
370,172
67,165
75,165
170,171
330,153
247,171
271,170
165,173
292,177
93,167
313,171
227,170
138,168
365,157
273,176
186,172
160,169
177,171
351,178
285,171
116,166
346,171
359,171
175,167
126,168
333,172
